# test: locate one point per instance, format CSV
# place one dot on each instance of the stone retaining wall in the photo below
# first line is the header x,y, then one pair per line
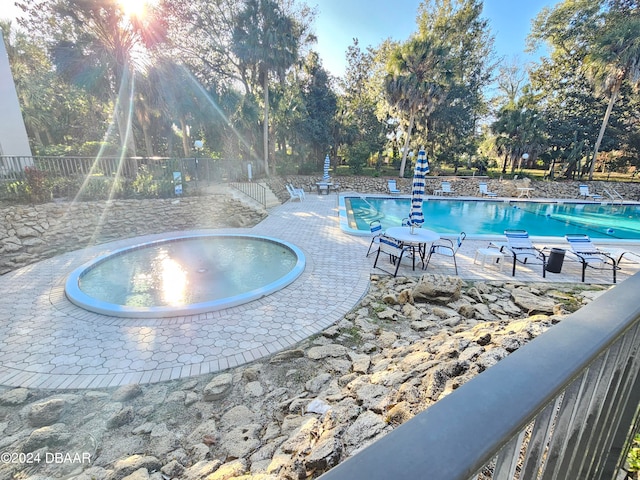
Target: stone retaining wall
x,y
29,233
468,186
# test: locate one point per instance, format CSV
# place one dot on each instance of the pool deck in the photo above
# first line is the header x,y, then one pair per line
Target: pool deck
x,y
47,342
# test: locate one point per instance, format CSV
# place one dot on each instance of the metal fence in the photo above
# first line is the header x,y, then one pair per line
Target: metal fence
x,y
253,190
206,169
564,406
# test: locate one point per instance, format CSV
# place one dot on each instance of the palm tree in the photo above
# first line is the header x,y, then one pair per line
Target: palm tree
x,y
412,84
614,59
265,40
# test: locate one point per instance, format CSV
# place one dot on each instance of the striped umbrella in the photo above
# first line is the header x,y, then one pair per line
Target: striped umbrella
x,y
416,216
327,164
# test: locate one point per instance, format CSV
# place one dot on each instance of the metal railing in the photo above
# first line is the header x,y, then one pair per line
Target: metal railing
x,y
564,406
253,190
206,169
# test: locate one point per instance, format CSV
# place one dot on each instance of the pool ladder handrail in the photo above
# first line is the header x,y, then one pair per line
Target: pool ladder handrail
x,y
612,197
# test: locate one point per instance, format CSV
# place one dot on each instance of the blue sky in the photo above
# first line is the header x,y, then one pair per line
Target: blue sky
x,y
372,21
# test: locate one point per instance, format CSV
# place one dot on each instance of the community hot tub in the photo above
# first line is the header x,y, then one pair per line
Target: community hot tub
x,y
184,275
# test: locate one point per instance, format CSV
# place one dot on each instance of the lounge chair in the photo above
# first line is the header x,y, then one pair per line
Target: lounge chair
x,y
295,194
520,246
484,192
395,250
376,231
298,191
584,191
391,185
589,255
445,187
447,249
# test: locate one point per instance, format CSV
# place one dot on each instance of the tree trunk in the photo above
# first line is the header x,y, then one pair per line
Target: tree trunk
x,y
403,164
603,127
265,126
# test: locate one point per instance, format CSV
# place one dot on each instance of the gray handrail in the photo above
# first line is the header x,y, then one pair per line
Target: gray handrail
x,y
578,383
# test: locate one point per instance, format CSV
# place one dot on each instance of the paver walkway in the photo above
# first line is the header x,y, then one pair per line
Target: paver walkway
x,y
47,342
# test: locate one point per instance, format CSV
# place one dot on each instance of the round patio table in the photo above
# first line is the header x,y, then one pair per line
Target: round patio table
x,y
419,237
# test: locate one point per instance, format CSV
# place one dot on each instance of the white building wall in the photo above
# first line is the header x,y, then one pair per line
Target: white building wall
x,y
13,134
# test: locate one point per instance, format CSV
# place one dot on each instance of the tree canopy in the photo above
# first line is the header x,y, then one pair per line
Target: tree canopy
x,y
243,77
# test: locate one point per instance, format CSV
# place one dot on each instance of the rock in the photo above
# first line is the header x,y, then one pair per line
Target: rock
x,y
126,392
491,357
287,355
218,388
317,383
437,288
120,418
531,303
45,413
229,470
16,396
202,469
205,429
52,436
373,397
241,441
253,389
366,426
238,415
324,351
140,474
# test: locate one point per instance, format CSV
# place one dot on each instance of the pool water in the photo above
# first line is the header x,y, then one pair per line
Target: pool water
x,y
480,217
185,275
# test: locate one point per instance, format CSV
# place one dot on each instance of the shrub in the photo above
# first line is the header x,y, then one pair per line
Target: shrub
x,y
38,185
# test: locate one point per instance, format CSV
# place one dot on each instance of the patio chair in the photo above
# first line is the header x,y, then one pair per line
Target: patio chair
x,y
484,192
391,185
520,246
445,187
376,231
295,195
589,255
395,250
584,191
298,191
446,247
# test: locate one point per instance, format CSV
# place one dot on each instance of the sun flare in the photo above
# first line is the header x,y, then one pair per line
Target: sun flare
x,y
135,8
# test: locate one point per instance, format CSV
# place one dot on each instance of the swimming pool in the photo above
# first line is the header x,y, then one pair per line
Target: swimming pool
x,y
485,217
184,275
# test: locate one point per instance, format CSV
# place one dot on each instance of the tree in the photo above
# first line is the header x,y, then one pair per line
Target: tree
x,y
451,129
615,59
97,47
265,40
415,82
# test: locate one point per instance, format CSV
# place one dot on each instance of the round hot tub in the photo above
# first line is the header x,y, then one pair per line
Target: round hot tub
x,y
184,275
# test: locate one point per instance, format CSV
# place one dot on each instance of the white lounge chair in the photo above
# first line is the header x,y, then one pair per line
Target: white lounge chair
x,y
391,185
589,255
484,192
298,191
584,191
520,246
295,194
445,187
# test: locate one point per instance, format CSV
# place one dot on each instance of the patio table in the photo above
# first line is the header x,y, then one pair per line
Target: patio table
x,y
420,237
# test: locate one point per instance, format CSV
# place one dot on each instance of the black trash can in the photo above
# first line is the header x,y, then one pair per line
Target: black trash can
x,y
555,260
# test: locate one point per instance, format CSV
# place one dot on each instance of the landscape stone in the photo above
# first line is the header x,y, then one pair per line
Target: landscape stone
x,y
218,387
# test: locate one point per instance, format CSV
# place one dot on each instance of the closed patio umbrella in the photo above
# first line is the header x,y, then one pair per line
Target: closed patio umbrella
x,y
416,216
327,164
